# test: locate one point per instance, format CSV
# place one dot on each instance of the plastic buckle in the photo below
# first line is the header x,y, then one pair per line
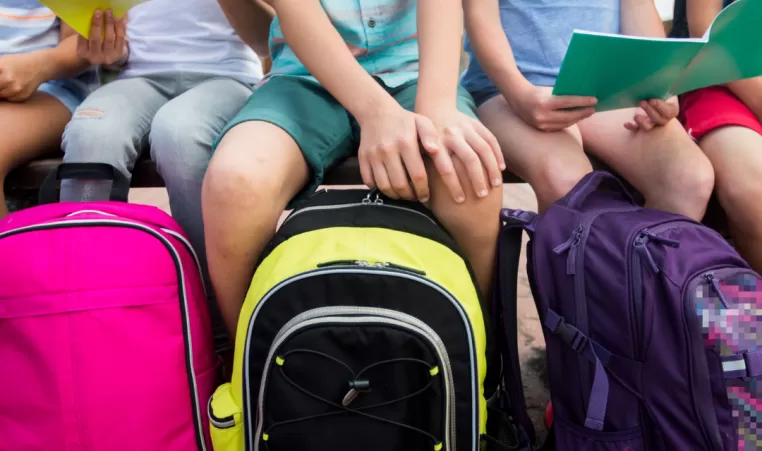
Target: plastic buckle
x,y
573,337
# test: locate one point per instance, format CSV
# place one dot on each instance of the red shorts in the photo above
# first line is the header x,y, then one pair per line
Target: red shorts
x,y
711,108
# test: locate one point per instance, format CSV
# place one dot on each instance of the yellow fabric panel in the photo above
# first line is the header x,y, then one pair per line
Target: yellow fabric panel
x,y
305,251
223,406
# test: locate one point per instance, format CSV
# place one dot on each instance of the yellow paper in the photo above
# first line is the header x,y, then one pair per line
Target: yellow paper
x,y
78,14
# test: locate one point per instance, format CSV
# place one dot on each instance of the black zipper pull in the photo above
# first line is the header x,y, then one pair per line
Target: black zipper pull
x,y
402,268
342,263
711,280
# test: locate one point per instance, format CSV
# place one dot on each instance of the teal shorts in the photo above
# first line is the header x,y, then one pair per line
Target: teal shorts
x,y
324,130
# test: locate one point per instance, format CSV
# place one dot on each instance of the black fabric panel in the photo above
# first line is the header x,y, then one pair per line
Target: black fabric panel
x,y
361,216
358,347
369,290
388,218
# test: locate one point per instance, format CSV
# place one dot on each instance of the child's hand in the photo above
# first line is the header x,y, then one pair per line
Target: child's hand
x,y
108,40
538,107
20,76
390,156
654,113
475,146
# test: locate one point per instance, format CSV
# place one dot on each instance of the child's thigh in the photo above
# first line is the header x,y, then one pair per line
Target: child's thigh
x,y
119,113
536,156
736,154
30,129
307,119
665,155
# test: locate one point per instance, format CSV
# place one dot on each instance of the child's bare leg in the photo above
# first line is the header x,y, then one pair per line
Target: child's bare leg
x,y
552,162
474,224
736,154
664,164
28,130
255,171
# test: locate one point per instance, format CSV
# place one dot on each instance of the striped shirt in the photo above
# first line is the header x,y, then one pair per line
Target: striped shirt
x,y
381,34
27,26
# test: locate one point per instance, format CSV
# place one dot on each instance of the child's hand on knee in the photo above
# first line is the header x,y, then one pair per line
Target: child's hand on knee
x,y
389,154
108,40
475,146
653,113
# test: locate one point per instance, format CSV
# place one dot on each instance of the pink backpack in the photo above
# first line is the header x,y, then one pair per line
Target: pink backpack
x,y
105,337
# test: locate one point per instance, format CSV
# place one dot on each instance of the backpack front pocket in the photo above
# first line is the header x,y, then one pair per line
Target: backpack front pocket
x,y
348,378
225,423
724,306
574,438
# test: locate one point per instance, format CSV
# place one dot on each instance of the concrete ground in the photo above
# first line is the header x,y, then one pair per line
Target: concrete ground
x,y
531,342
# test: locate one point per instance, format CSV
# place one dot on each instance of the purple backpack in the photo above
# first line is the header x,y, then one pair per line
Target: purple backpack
x,y
650,321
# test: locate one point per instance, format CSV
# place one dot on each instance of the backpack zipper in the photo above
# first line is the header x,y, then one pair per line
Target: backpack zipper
x,y
351,315
369,200
367,264
474,373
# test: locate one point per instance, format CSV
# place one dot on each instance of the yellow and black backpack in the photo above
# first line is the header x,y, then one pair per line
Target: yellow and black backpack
x,y
362,331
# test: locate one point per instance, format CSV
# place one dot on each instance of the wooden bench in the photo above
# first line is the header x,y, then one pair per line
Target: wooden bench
x,y
22,185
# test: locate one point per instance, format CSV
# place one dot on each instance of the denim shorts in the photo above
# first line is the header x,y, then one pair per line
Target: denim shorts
x,y
65,91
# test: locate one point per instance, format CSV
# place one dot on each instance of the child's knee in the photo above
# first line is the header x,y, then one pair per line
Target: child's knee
x,y
237,177
690,186
739,198
180,147
557,175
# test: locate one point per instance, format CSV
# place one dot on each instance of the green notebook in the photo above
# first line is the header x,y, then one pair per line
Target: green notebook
x,y
622,70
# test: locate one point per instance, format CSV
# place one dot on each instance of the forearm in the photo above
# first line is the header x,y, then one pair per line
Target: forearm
x,y
439,49
62,61
324,53
490,43
701,14
251,20
641,18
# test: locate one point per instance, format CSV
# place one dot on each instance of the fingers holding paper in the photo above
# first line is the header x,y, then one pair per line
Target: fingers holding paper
x,y
538,107
653,113
107,44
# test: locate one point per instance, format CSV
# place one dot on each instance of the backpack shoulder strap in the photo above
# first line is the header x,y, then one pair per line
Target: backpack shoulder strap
x,y
506,317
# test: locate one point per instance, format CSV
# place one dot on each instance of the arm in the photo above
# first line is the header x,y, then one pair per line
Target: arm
x,y
490,43
21,74
439,53
62,61
534,105
641,18
701,14
251,20
324,53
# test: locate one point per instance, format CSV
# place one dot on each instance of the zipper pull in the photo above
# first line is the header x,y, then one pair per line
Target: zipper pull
x,y
661,240
344,263
355,387
401,268
711,280
641,246
571,245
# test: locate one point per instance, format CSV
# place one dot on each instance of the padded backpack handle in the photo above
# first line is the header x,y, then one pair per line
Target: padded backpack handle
x,y
594,182
85,171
